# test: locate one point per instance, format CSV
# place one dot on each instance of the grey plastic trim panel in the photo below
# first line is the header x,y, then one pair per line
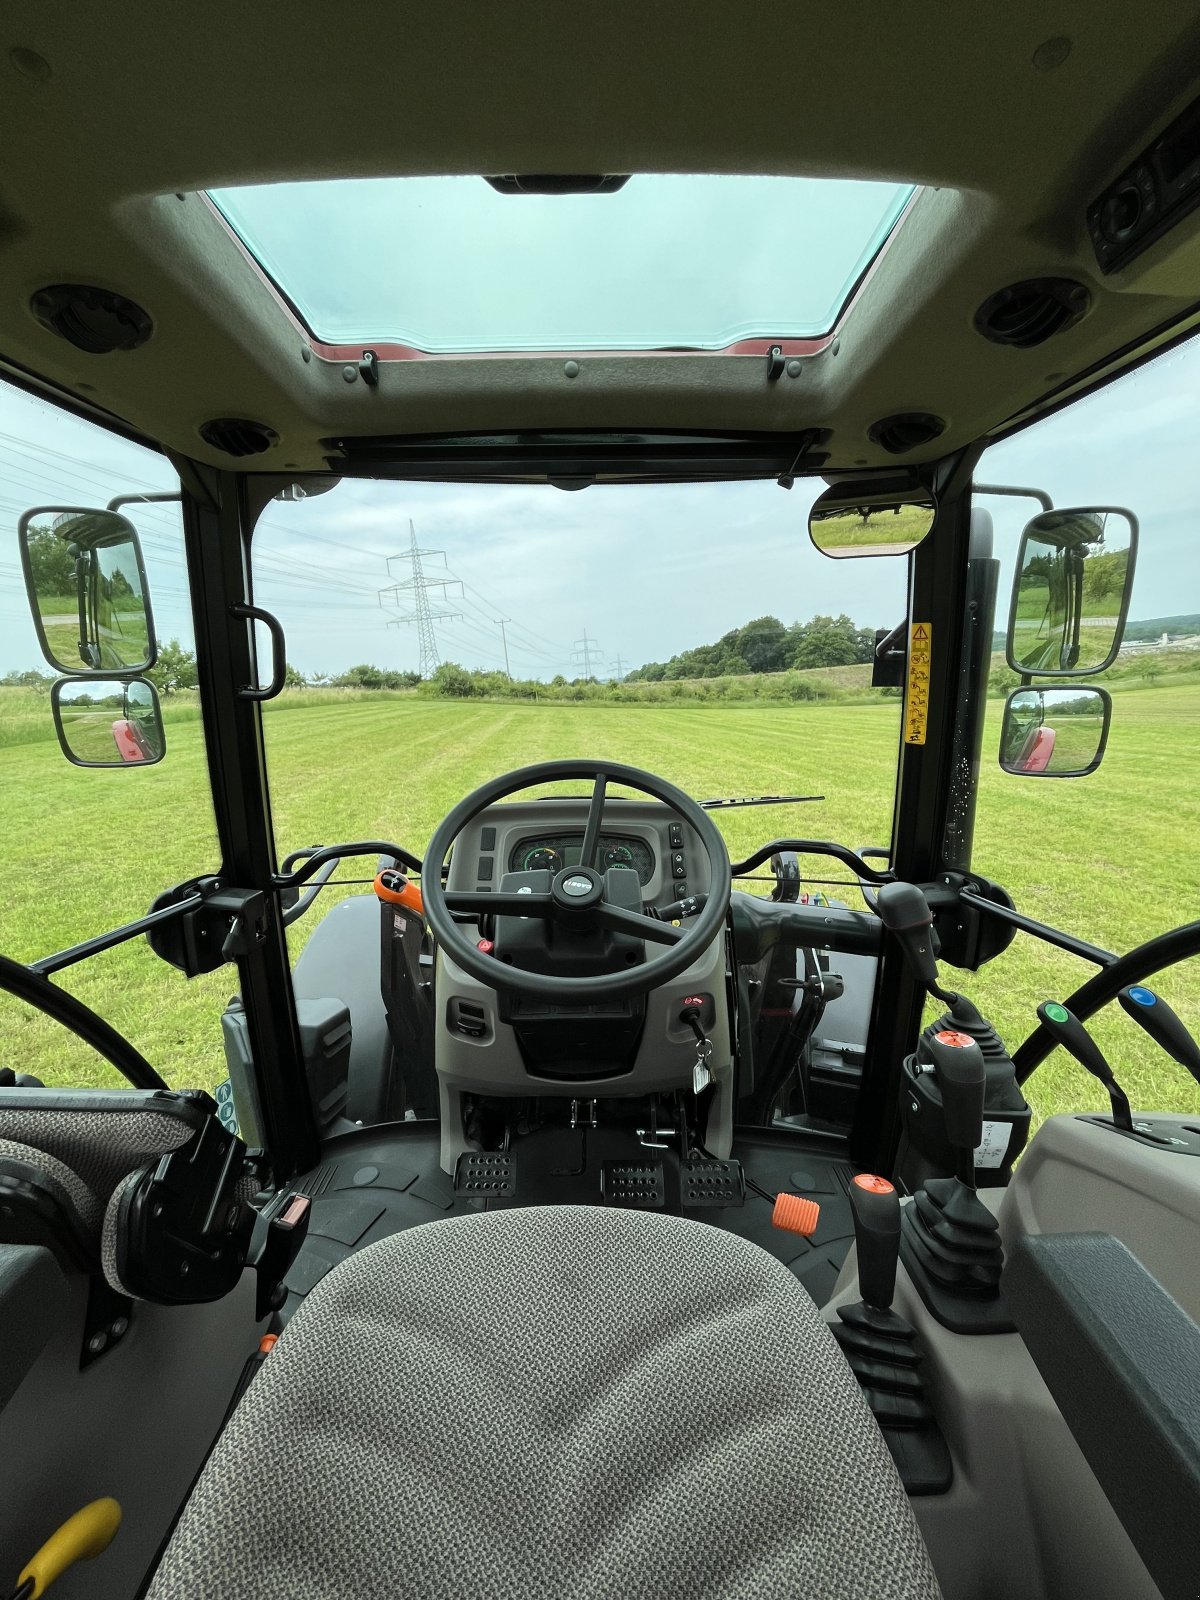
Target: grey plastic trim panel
x,y
34,1297
1121,1359
342,959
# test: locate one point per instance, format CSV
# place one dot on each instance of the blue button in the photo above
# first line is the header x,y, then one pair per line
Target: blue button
x,y
1144,997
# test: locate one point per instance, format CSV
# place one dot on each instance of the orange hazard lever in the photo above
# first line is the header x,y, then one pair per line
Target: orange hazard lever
x,y
394,888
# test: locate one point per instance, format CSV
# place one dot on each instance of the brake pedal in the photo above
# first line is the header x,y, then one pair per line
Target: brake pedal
x,y
640,1184
485,1175
711,1183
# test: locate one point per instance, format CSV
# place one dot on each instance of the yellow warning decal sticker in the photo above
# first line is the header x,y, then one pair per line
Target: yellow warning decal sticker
x,y
916,704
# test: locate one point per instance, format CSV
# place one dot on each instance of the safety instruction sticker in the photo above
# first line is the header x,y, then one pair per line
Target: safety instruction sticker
x,y
993,1147
916,704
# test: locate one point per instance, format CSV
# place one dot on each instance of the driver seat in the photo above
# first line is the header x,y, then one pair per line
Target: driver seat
x,y
551,1401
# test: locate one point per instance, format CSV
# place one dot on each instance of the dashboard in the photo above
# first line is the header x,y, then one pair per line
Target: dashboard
x,y
525,835
557,850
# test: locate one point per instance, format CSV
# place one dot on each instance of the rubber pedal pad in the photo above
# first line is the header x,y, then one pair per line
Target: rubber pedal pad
x,y
704,1182
638,1184
484,1175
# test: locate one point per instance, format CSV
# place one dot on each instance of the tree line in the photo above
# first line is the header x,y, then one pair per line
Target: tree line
x,y
767,645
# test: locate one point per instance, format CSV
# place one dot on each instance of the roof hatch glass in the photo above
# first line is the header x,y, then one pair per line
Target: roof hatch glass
x,y
448,265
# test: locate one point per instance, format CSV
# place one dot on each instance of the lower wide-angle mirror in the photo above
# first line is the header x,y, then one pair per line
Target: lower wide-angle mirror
x,y
870,519
1071,591
87,589
1055,733
103,722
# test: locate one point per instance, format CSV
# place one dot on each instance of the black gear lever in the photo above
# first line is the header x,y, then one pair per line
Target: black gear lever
x,y
876,1208
962,1079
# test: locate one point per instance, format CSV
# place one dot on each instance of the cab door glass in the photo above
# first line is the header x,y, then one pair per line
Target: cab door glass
x,y
1110,856
92,839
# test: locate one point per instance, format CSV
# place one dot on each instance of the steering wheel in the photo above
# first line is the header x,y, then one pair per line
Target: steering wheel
x,y
577,893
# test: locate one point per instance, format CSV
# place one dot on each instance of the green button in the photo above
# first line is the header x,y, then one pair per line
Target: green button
x,y
1057,1013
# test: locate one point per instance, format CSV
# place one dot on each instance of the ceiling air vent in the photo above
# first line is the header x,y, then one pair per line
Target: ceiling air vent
x,y
905,431
94,320
1027,314
237,437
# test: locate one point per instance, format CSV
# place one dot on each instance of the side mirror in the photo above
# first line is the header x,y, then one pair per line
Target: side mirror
x,y
871,517
1071,591
1055,733
108,722
87,590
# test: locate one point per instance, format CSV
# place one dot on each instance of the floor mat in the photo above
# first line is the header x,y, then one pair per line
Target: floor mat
x,y
386,1179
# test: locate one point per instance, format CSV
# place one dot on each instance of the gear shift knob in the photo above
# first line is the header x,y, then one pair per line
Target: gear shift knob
x,y
876,1208
962,1079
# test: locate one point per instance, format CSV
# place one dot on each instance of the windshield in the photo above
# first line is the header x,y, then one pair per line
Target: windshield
x,y
442,634
451,264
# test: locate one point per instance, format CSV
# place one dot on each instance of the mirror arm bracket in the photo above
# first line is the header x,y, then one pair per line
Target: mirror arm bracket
x,y
217,924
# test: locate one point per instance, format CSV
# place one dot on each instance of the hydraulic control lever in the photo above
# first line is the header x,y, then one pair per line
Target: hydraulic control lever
x,y
962,1079
1153,1013
905,913
1066,1029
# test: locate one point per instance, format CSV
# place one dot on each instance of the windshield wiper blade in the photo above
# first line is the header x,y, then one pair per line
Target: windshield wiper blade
x,y
761,800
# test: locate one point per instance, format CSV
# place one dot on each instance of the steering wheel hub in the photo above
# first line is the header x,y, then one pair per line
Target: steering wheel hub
x,y
578,888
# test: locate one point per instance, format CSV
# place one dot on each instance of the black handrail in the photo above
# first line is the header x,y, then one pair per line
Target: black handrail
x,y
1040,930
115,936
812,847
292,878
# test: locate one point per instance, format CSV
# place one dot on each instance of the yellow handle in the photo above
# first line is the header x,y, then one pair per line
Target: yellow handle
x,y
88,1533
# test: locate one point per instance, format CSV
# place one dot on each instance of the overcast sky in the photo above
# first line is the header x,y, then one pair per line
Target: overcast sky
x,y
645,572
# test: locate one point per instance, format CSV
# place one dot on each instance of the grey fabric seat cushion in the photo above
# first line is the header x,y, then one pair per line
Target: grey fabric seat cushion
x,y
544,1402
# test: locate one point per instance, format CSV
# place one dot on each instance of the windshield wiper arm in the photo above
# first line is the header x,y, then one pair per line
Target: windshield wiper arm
x,y
761,800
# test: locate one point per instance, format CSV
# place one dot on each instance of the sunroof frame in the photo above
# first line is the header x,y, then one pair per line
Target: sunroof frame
x,y
341,343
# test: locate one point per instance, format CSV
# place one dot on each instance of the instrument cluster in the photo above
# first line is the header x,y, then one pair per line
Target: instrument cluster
x,y
559,850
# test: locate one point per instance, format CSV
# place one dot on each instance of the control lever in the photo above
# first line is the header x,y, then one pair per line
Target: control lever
x,y
876,1208
1153,1013
690,906
1066,1029
905,913
962,1079
276,1244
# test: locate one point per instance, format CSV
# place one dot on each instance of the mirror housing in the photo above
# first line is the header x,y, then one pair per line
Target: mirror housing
x,y
86,582
108,722
1071,591
871,517
1055,732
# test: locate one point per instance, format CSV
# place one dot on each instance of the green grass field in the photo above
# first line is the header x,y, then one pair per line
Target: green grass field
x,y
1111,857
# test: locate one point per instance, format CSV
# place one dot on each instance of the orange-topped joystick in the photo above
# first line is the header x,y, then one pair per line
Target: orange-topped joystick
x,y
796,1214
873,1183
876,1208
395,889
